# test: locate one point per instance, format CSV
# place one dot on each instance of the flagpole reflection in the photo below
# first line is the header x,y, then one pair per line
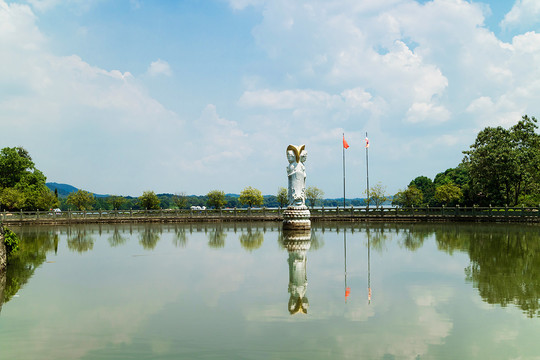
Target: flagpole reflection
x,y
369,267
347,289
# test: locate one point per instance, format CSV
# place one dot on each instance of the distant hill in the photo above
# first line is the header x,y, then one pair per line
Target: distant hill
x,y
65,189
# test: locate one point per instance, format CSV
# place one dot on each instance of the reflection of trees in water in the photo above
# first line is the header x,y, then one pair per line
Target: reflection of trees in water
x,y
116,239
149,237
414,236
2,287
317,241
80,240
251,240
216,238
180,239
33,249
505,264
378,236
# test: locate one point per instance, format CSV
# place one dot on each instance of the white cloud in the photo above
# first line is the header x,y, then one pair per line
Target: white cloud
x,y
58,105
159,67
523,13
426,112
287,99
242,4
297,99
528,43
46,5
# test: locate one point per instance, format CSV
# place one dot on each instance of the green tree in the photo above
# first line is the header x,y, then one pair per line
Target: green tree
x,y
458,176
116,201
149,201
313,195
503,163
11,199
180,200
15,164
448,194
18,172
282,198
412,196
81,200
376,195
251,196
216,199
425,185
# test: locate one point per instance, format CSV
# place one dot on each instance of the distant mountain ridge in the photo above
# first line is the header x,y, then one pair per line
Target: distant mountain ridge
x,y
66,189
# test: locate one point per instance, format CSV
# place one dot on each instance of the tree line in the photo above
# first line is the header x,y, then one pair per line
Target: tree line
x,y
23,187
501,168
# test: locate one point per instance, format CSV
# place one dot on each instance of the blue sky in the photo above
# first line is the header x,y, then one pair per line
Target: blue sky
x,y
189,96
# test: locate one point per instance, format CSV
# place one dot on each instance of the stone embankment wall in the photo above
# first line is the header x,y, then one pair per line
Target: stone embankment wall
x,y
3,263
3,255
2,287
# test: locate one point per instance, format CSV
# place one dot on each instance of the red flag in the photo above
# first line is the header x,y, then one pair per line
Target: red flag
x,y
345,145
367,142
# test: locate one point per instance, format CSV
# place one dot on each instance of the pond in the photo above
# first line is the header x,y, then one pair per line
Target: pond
x,y
250,291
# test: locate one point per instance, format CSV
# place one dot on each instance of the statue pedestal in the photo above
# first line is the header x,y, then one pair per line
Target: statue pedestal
x,y
296,218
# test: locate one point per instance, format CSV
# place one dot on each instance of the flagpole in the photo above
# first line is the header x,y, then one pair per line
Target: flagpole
x,y
367,169
343,171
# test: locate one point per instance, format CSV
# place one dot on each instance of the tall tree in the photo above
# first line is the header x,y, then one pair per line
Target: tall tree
x,y
503,163
282,197
116,201
149,200
180,200
11,199
216,199
376,195
19,174
81,199
15,163
412,196
448,194
425,185
314,195
251,196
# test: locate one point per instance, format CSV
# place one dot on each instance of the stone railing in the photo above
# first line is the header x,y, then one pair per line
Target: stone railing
x,y
416,214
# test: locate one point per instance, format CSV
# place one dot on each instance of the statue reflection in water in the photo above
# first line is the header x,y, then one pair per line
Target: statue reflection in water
x,y
297,244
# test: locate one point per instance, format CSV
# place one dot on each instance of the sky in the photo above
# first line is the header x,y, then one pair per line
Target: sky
x,y
120,97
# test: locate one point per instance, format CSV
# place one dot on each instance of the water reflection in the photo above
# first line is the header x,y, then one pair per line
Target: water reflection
x,y
504,260
33,248
149,236
216,238
252,239
80,240
297,244
117,239
2,287
180,240
505,266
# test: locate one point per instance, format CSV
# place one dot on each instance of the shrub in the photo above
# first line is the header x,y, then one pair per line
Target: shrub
x,y
12,242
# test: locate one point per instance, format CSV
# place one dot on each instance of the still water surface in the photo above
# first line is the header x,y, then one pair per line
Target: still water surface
x,y
248,291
